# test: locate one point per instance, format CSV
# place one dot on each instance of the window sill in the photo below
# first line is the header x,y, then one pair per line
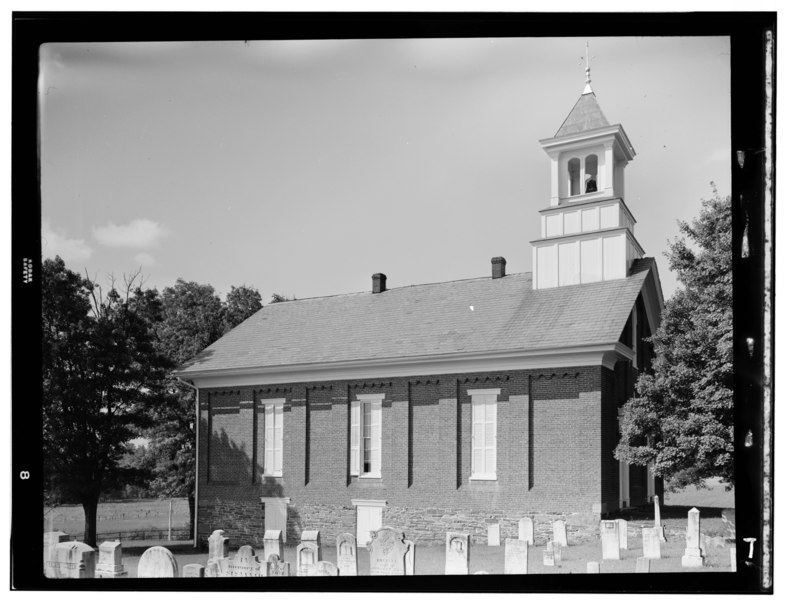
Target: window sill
x,y
369,476
483,478
272,475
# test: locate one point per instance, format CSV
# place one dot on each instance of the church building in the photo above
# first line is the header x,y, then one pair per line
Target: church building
x,y
446,406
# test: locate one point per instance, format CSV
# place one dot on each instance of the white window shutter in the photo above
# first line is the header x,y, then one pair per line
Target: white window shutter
x,y
278,440
354,449
376,438
269,433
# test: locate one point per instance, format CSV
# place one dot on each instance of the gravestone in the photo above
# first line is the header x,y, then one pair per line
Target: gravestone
x,y
560,533
693,557
72,560
651,543
609,538
193,570
494,535
456,554
110,561
215,567
244,564
732,550
408,558
592,567
387,550
548,559
218,545
657,523
273,544
51,539
516,557
346,551
557,550
622,533
157,562
526,530
324,568
481,573
308,553
642,564
276,567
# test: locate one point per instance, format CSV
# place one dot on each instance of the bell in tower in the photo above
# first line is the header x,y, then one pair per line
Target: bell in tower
x,y
587,230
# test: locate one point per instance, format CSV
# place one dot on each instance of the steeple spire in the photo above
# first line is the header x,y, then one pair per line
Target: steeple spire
x,y
587,89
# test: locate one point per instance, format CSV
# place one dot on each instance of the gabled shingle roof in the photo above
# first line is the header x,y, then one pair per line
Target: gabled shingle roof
x,y
585,115
472,315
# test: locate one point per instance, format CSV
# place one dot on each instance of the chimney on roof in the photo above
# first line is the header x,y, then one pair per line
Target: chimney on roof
x,y
498,265
379,282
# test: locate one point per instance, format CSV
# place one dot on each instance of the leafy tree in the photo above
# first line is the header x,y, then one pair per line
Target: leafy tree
x,y
101,373
280,298
682,420
193,317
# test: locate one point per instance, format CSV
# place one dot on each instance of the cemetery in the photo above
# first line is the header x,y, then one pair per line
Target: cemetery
x,y
541,547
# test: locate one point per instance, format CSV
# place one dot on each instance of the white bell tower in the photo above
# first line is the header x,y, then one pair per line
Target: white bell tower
x,y
587,231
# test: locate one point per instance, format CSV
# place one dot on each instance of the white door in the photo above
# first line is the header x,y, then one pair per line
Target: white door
x,y
369,518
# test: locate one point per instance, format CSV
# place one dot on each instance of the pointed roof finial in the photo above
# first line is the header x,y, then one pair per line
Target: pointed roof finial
x,y
587,89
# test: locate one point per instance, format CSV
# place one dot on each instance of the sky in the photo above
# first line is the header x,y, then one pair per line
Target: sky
x,y
303,167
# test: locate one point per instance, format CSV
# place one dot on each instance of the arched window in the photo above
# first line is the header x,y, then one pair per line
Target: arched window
x,y
574,172
591,174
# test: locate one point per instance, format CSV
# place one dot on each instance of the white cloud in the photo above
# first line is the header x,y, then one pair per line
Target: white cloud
x,y
55,243
139,233
145,259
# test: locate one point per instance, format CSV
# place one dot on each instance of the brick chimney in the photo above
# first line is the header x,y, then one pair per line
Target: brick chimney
x,y
379,282
498,265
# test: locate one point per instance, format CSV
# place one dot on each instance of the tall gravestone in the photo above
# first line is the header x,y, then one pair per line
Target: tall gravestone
x,y
110,561
408,558
526,530
346,554
494,535
51,539
548,558
622,533
516,557
657,522
157,562
642,565
218,554
193,570
276,567
560,533
732,550
273,544
324,568
609,538
72,560
693,556
456,554
308,553
387,550
651,543
244,564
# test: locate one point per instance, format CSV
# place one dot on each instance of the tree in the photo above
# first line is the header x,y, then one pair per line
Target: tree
x,y
681,422
193,317
101,373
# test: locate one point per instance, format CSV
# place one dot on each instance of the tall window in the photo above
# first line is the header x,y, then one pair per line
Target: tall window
x,y
366,436
273,436
484,433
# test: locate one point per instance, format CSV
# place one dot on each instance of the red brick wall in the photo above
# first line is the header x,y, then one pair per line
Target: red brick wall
x,y
556,430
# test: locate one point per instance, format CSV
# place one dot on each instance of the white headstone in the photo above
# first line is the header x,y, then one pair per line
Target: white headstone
x,y
110,561
324,568
408,558
277,568
526,530
387,550
456,554
592,567
218,545
560,533
215,567
622,533
548,558
651,543
516,557
51,539
494,535
193,570
657,522
244,564
72,560
157,562
273,544
642,565
308,553
693,557
609,538
732,550
346,551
